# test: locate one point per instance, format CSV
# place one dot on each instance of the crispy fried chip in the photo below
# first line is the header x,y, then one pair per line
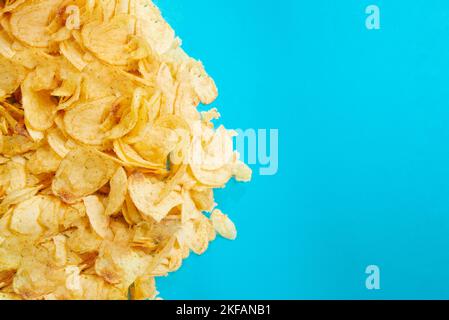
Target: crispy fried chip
x,y
97,217
223,225
119,188
145,195
81,173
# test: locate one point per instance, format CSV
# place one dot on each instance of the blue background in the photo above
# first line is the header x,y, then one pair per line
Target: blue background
x,y
363,148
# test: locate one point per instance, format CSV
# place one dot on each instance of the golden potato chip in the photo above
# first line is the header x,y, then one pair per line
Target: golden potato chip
x,y
17,196
110,40
51,214
73,53
95,288
129,121
29,23
156,144
82,172
60,254
152,27
39,106
223,225
130,212
203,198
97,217
44,160
16,144
25,217
145,193
57,142
84,121
12,176
130,157
144,288
119,188
12,76
241,171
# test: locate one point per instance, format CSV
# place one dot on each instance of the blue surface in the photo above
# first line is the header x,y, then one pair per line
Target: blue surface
x,y
363,119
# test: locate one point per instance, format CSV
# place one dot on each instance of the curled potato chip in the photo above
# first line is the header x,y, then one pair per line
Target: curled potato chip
x,y
97,217
84,122
57,142
25,217
40,109
12,76
145,193
13,176
16,144
82,172
43,160
119,188
156,144
73,53
95,288
212,165
17,196
30,22
110,40
144,288
129,156
203,85
129,121
152,27
223,225
203,198
130,212
241,171
60,254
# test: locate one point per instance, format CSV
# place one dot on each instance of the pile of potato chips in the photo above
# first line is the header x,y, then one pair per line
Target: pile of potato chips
x,y
106,166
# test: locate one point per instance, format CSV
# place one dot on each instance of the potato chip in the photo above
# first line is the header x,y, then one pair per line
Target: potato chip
x,y
203,198
29,23
223,225
119,188
84,121
43,160
129,121
144,288
13,75
60,250
156,144
152,27
12,176
130,157
40,108
110,40
17,196
97,217
81,173
25,217
145,193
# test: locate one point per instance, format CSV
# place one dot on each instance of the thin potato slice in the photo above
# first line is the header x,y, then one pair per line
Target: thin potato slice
x,y
97,217
82,172
25,217
119,188
30,22
145,195
84,122
223,225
